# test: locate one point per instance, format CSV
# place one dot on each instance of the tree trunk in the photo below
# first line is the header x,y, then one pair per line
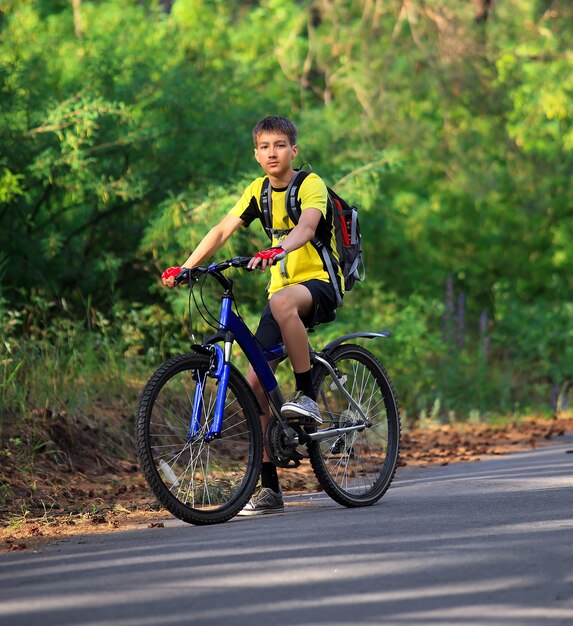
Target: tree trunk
x,y
484,8
76,5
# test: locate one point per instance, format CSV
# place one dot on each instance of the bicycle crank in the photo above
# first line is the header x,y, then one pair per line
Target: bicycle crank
x,y
281,442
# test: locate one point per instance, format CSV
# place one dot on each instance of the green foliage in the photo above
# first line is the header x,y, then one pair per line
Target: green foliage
x,y
50,360
125,135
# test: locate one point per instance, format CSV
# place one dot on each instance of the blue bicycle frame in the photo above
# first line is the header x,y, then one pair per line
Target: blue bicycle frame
x,y
232,328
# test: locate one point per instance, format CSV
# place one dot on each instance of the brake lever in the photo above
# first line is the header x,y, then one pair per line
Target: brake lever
x,y
183,276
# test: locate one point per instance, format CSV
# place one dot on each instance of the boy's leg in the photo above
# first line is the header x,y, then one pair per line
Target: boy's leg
x,y
257,388
288,306
269,499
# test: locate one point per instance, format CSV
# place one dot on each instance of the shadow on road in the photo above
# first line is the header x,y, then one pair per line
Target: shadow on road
x,y
479,543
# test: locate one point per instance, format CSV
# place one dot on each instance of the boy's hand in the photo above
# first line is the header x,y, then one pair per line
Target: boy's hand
x,y
266,258
168,276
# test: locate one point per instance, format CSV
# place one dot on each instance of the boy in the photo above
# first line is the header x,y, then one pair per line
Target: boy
x,y
300,292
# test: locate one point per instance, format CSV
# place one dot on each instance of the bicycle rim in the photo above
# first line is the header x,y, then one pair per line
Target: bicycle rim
x,y
199,481
356,468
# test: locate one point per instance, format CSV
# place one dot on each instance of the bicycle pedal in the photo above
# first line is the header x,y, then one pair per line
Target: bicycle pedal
x,y
295,460
292,464
297,421
303,420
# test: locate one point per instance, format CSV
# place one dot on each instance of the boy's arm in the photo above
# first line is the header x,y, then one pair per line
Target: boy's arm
x,y
304,231
314,199
300,235
214,240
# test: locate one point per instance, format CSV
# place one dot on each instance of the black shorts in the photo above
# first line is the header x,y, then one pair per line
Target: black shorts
x,y
324,299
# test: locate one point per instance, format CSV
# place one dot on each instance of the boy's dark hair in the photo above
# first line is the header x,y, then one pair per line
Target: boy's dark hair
x,y
276,124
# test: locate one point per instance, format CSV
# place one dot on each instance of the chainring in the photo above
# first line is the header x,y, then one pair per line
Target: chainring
x,y
281,442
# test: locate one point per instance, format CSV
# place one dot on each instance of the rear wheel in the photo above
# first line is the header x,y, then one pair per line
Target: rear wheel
x,y
199,481
357,467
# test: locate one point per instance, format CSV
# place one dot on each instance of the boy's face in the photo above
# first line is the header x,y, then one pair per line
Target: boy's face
x,y
275,154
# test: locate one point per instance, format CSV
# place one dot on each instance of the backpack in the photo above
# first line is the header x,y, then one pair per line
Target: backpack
x,y
346,230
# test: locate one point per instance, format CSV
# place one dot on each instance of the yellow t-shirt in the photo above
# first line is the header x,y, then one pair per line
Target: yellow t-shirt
x,y
305,263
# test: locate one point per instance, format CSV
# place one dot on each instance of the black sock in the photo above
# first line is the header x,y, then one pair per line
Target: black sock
x,y
269,477
304,384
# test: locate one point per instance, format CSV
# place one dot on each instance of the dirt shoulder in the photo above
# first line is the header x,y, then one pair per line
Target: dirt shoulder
x,y
55,501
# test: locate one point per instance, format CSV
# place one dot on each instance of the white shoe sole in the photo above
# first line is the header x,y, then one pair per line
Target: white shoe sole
x,y
247,513
295,412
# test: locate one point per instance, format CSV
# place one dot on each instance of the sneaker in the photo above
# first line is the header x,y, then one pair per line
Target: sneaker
x,y
301,410
265,502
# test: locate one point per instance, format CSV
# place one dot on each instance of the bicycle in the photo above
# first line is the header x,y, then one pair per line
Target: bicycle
x,y
198,431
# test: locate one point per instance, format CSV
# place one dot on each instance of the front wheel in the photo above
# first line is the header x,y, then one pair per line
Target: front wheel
x,y
198,479
357,467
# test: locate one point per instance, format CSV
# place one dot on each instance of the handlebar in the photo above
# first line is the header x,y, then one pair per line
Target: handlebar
x,y
193,273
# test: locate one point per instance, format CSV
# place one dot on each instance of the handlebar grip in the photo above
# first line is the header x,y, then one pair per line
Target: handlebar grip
x,y
183,276
240,261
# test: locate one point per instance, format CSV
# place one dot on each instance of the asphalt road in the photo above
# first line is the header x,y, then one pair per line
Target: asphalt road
x,y
466,544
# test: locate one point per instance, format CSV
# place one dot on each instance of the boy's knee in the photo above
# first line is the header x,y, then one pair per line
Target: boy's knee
x,y
282,306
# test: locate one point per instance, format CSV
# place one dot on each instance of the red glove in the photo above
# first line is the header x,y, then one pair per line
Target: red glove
x,y
171,271
275,253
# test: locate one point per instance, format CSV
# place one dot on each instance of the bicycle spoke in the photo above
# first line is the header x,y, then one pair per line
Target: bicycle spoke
x,y
201,475
354,465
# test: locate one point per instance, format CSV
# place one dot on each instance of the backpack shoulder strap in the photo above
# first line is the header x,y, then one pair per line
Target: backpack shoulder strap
x,y
291,198
266,205
293,210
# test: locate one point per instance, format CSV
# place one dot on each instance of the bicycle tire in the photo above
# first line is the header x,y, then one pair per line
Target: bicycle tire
x,y
355,469
199,482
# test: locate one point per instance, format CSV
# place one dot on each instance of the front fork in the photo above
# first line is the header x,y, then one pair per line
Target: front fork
x,y
219,368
